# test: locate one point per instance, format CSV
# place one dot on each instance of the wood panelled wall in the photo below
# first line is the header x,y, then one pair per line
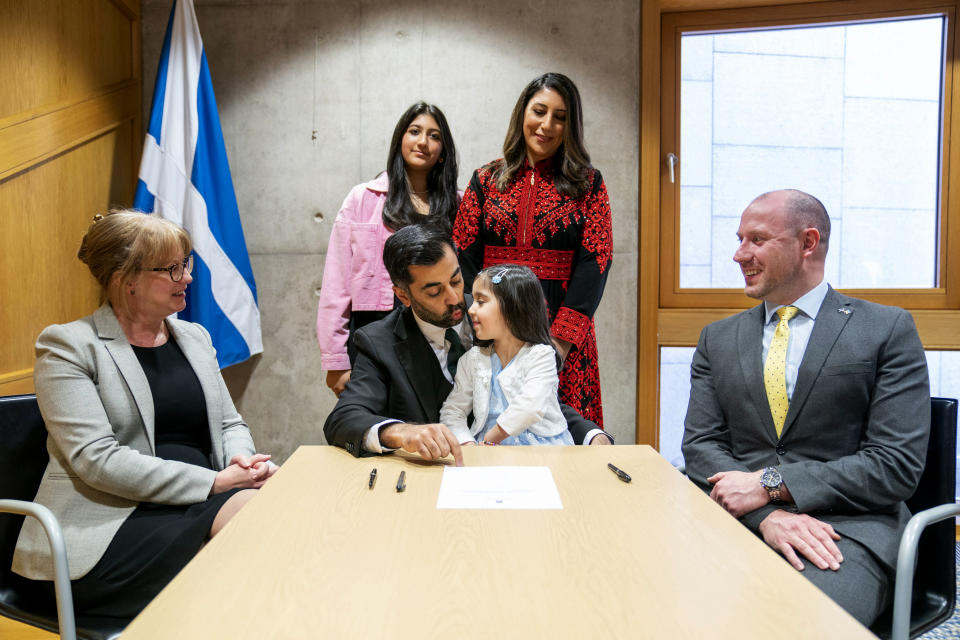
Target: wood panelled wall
x,y
69,148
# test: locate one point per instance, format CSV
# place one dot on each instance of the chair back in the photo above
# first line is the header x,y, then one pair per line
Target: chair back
x,y
23,459
935,581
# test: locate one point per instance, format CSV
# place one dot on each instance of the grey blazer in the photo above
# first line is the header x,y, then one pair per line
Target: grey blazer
x,y
98,410
854,440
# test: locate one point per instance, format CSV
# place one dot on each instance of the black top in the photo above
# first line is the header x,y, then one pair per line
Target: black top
x,y
181,431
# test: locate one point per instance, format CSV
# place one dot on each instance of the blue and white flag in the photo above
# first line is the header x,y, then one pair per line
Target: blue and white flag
x,y
184,176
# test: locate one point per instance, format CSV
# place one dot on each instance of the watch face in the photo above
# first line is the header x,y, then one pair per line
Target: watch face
x,y
771,478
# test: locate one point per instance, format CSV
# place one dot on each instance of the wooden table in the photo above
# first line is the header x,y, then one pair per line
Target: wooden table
x,y
318,555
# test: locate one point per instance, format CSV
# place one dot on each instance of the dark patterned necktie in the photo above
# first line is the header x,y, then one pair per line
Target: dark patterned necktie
x,y
456,350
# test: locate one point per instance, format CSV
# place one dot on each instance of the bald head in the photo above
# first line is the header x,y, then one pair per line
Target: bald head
x,y
803,211
782,245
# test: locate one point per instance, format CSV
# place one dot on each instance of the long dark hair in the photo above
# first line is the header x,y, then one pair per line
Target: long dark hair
x,y
520,296
441,181
571,162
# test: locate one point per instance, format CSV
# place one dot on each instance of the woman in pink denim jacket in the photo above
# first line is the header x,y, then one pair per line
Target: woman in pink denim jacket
x,y
419,185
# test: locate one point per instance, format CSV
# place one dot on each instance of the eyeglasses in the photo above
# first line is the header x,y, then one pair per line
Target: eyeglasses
x,y
177,270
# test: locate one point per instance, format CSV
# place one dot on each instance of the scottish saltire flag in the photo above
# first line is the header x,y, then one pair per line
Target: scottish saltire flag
x,y
184,176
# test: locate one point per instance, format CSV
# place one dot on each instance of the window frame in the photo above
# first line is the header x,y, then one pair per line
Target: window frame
x,y
674,25
668,316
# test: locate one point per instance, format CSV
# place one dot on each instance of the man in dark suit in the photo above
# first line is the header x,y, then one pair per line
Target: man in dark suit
x,y
406,361
809,414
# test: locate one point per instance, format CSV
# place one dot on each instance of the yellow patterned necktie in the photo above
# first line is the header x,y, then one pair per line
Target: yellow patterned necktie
x,y
775,368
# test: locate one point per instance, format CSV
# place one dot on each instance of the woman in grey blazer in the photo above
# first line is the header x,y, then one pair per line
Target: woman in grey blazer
x,y
148,456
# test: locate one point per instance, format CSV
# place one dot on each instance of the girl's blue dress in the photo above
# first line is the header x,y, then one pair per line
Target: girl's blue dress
x,y
498,404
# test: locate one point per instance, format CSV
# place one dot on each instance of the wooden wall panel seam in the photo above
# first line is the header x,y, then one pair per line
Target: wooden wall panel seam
x,y
37,139
16,375
47,109
68,148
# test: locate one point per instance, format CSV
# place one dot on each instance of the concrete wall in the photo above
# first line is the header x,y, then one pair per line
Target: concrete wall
x,y
309,93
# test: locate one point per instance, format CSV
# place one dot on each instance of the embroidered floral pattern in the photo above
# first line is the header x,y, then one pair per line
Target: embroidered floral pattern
x,y
598,233
571,326
580,380
567,242
545,263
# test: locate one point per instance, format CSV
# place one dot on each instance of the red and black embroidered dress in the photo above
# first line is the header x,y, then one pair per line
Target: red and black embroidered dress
x,y
566,241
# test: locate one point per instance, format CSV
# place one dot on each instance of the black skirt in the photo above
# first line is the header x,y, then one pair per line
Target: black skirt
x,y
149,549
151,546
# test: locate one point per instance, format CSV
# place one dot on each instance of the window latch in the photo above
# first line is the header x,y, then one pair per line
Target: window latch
x,y
672,161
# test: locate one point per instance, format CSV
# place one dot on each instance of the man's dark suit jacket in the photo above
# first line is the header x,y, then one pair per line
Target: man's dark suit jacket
x,y
396,376
854,441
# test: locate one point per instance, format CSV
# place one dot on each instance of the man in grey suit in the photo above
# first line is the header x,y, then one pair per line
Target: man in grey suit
x,y
809,414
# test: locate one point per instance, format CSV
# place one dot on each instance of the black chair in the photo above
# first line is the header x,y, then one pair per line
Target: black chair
x,y
926,597
23,459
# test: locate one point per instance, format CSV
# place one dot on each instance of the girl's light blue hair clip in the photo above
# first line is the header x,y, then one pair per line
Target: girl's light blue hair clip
x,y
499,277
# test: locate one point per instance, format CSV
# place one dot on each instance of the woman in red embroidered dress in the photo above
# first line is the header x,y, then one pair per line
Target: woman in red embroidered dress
x,y
544,206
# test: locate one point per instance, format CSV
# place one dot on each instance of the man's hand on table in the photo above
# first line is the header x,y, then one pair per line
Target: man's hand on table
x,y
789,533
429,441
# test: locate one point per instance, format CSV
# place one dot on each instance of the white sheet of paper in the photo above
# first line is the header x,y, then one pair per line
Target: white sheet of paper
x,y
498,488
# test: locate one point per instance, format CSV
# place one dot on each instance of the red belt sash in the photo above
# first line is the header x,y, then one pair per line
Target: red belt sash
x,y
546,264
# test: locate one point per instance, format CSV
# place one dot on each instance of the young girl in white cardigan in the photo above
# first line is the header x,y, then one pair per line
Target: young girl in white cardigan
x,y
509,378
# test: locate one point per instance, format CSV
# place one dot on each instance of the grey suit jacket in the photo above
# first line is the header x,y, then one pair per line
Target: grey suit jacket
x,y
854,440
99,413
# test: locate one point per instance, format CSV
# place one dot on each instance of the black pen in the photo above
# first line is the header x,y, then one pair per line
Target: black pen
x,y
373,478
400,485
623,475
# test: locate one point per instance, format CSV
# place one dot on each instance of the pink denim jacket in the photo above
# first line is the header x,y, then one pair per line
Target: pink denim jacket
x,y
354,278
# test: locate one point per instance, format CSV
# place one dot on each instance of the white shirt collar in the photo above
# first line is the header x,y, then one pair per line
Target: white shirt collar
x,y
808,304
435,335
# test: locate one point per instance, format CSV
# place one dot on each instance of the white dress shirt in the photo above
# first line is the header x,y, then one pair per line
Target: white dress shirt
x,y
436,338
801,327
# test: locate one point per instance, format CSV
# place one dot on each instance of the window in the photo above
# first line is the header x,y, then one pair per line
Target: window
x,y
848,113
851,101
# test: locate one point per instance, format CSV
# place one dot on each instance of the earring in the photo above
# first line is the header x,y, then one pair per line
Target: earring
x,y
440,160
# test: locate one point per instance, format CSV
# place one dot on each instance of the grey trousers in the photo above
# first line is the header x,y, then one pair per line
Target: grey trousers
x,y
861,585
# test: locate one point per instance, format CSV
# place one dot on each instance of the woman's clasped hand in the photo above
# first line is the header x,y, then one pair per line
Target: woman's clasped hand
x,y
244,472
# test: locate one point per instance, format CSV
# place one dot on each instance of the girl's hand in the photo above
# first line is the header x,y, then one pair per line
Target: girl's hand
x,y
495,435
337,380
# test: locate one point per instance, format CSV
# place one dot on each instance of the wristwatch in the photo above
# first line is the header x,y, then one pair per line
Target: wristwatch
x,y
772,481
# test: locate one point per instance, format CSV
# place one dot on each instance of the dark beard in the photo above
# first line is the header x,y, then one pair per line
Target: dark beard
x,y
445,320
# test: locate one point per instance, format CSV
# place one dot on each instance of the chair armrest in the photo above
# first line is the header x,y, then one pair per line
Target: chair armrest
x,y
61,571
907,562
